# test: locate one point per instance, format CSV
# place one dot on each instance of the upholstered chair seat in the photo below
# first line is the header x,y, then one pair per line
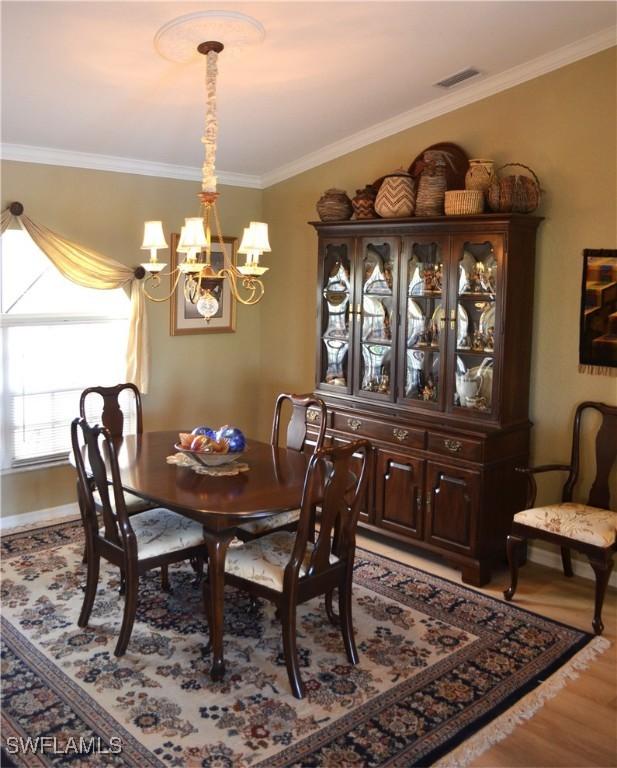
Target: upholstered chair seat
x,y
160,531
263,560
133,503
260,527
578,522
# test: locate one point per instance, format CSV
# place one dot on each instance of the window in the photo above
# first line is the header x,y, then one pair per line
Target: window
x,y
57,339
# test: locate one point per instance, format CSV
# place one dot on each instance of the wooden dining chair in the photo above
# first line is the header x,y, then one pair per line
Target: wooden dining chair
x,y
112,419
289,568
296,441
149,539
589,528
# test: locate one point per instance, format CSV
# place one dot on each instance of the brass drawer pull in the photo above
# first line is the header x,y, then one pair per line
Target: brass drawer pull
x,y
454,446
354,424
313,416
400,434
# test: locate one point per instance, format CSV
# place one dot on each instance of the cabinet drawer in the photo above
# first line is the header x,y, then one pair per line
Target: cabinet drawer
x,y
363,427
455,446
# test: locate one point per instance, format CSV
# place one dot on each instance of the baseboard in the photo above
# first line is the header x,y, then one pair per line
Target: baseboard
x,y
52,514
553,560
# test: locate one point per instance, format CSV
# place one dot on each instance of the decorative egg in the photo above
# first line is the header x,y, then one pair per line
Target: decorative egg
x,y
234,437
207,431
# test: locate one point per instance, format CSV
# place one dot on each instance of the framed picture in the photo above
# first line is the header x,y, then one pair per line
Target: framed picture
x,y
598,318
184,317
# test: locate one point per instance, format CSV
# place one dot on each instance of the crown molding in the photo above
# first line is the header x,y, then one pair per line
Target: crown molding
x,y
481,88
26,153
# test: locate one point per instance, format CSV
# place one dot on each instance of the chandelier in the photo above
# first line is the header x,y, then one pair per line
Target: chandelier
x,y
196,236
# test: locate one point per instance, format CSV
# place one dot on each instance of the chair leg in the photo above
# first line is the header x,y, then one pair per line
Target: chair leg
x,y
602,569
128,618
344,608
92,580
290,651
165,578
334,619
197,564
566,561
512,546
122,587
205,588
253,603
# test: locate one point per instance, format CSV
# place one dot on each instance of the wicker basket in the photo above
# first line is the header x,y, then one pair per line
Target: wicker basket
x,y
517,194
461,202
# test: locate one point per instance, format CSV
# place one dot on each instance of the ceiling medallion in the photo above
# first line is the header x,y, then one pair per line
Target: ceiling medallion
x,y
179,39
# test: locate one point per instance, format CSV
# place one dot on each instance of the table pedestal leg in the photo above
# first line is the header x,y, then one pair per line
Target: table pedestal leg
x,y
217,544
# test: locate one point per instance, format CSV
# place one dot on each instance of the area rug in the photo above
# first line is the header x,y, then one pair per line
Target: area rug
x,y
444,671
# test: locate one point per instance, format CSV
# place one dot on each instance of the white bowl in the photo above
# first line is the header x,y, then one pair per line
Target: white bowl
x,y
209,459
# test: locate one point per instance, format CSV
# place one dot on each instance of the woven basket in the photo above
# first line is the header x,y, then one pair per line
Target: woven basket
x,y
461,202
432,185
514,194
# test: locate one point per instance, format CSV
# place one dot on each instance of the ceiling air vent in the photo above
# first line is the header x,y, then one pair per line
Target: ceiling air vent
x,y
458,77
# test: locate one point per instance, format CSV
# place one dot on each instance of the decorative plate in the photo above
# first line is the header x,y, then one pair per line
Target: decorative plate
x,y
415,321
209,459
457,164
462,322
487,318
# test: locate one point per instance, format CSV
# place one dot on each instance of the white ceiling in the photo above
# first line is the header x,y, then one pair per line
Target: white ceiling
x,y
85,77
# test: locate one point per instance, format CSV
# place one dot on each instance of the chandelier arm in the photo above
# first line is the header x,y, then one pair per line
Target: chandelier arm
x,y
151,278
251,284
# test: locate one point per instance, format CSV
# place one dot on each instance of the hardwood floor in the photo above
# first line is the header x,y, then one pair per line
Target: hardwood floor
x,y
578,727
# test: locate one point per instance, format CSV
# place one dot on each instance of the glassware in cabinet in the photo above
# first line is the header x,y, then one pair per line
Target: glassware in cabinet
x,y
422,298
336,314
474,324
376,313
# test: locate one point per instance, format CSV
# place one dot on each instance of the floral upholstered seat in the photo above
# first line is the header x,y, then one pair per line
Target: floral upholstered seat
x,y
133,503
263,560
270,523
160,531
579,522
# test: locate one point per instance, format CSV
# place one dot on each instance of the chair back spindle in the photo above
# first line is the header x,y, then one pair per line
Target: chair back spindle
x,y
296,428
118,529
112,416
605,456
328,486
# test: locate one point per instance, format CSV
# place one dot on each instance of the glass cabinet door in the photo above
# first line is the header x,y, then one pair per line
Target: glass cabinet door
x,y
376,316
423,310
475,323
336,309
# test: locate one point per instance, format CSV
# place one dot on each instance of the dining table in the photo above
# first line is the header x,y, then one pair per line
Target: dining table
x,y
273,483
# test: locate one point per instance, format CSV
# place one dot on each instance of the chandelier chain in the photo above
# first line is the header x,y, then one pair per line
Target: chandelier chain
x,y
209,139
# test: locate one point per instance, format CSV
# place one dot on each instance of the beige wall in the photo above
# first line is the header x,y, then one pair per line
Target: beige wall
x,y
563,125
196,379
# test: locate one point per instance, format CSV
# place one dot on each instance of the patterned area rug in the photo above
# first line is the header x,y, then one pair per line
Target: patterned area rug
x,y
438,664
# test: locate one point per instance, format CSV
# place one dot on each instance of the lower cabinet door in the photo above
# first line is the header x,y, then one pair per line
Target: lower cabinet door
x,y
452,498
398,493
366,504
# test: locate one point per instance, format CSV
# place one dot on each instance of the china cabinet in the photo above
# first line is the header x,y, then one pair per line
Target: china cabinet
x,y
423,346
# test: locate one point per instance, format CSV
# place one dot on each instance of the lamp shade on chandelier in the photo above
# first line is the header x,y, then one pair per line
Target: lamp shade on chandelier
x,y
178,41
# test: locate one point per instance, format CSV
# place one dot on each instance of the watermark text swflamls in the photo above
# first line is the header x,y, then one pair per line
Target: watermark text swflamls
x,y
52,745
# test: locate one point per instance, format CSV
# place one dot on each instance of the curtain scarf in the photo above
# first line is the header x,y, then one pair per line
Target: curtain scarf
x,y
92,270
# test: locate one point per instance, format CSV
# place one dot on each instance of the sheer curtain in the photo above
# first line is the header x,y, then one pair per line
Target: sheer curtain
x,y
93,270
